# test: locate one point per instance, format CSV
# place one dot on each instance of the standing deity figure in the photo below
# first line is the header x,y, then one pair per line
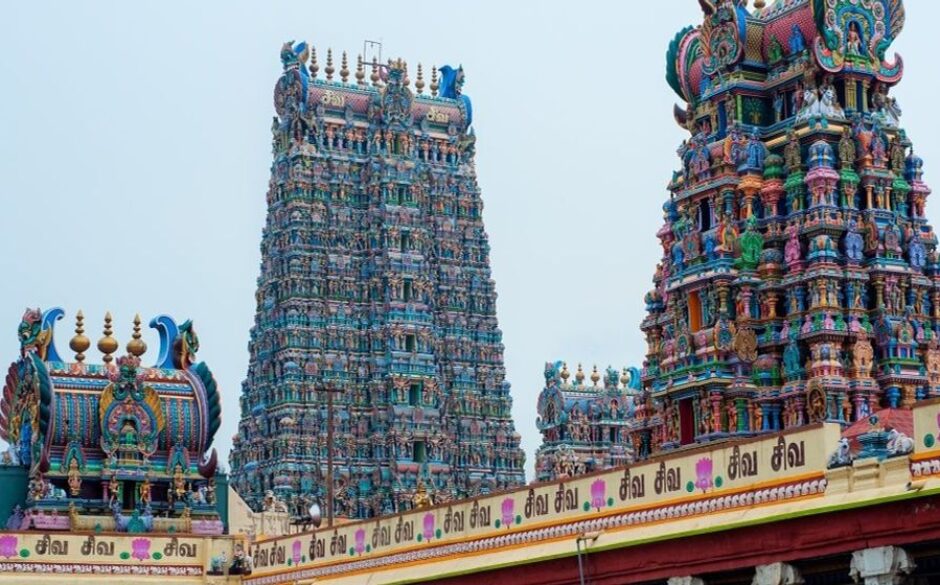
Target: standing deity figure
x,y
74,478
792,251
847,153
752,243
797,40
853,41
792,153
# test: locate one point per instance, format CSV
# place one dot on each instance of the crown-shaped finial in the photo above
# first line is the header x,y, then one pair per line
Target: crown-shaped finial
x,y
79,344
107,344
419,83
329,65
314,66
360,71
344,70
136,345
434,84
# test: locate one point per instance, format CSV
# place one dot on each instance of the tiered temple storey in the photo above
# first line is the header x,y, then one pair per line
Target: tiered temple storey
x,y
113,447
799,280
375,295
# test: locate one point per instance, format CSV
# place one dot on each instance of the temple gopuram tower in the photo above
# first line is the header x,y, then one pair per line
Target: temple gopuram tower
x,y
799,278
376,309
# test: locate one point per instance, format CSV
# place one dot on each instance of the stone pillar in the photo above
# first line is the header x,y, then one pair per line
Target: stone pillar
x,y
777,574
685,581
883,565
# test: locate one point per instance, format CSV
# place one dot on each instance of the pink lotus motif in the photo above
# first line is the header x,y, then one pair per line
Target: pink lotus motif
x,y
599,494
8,546
509,507
428,526
140,548
296,549
703,474
360,541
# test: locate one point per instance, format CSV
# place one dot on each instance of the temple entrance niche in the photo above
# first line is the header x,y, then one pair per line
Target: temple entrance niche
x,y
686,422
129,493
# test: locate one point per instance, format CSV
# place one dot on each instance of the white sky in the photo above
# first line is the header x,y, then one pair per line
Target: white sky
x,y
135,153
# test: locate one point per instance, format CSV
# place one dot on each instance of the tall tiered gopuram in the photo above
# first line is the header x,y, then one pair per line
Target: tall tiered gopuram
x,y
799,278
375,295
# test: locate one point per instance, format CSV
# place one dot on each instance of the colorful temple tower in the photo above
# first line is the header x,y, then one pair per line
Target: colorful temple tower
x,y
376,346
114,446
584,427
799,278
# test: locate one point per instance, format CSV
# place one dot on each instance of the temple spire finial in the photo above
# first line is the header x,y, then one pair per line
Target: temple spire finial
x,y
375,72
344,69
329,65
136,345
360,71
314,66
419,82
80,343
434,84
107,345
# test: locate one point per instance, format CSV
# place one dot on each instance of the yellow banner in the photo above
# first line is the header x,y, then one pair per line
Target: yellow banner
x,y
722,469
143,549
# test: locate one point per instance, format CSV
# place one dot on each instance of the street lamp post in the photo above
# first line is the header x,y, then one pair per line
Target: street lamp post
x,y
329,455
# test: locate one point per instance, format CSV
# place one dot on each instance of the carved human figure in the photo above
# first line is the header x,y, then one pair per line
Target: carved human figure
x,y
853,41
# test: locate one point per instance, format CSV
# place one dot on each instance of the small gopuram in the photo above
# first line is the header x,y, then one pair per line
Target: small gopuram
x,y
584,427
799,277
116,446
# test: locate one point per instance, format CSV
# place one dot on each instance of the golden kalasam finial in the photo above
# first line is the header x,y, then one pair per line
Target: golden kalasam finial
x,y
565,374
360,71
79,343
344,70
624,377
375,72
107,344
314,66
595,376
136,345
329,65
404,65
419,83
579,375
759,4
434,85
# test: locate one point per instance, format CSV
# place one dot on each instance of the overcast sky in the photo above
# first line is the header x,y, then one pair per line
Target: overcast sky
x,y
135,148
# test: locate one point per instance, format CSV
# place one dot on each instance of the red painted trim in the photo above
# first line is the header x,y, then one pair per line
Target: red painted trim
x,y
896,523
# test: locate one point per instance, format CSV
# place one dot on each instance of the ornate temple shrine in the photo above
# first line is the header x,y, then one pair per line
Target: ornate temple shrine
x,y
799,277
376,358
585,427
115,446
